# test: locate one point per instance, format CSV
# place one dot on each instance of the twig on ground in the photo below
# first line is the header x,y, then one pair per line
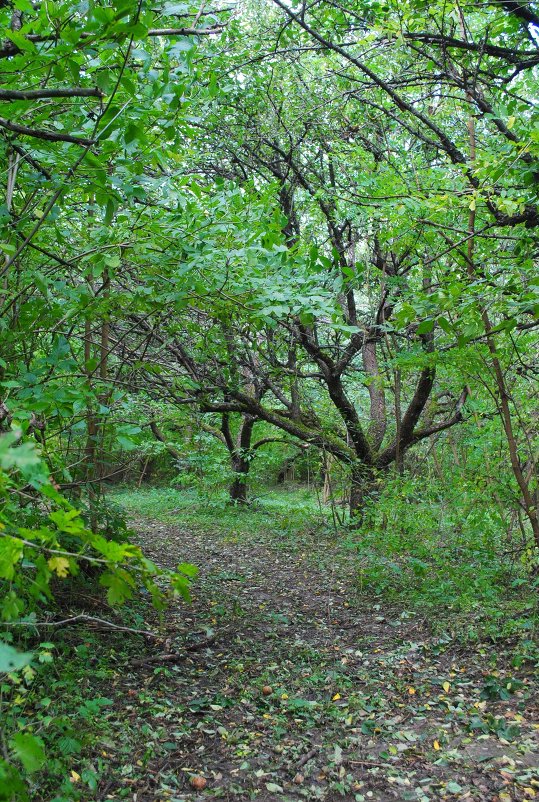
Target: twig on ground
x,y
306,757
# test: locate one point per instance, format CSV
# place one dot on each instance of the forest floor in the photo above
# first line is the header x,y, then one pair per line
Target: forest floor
x,y
291,684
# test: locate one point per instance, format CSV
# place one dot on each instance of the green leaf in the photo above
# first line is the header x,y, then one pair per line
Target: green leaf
x,y
126,443
113,260
132,132
115,552
11,551
188,569
118,585
11,659
181,585
24,5
445,325
425,326
110,210
21,41
29,750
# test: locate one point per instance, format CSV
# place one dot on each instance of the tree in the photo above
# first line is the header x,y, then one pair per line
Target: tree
x,y
302,170
486,68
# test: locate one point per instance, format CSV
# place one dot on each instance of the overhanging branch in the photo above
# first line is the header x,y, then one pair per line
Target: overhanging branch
x,y
50,136
11,49
37,94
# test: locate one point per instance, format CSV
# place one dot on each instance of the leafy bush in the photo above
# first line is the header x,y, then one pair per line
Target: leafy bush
x,y
45,542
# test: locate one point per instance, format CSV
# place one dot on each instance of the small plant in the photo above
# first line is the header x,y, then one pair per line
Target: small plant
x,y
497,688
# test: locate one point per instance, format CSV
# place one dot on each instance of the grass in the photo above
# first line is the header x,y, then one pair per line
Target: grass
x,y
283,513
414,552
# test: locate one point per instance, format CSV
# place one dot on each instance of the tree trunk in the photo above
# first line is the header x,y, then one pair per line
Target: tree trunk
x,y
326,490
240,455
91,434
362,488
238,488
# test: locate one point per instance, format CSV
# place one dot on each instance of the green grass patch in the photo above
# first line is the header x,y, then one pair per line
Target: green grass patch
x,y
437,551
285,515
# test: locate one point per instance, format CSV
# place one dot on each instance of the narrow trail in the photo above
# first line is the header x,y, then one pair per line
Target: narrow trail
x,y
311,692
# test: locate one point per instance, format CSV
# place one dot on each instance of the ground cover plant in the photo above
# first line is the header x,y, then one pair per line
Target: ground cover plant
x,y
268,401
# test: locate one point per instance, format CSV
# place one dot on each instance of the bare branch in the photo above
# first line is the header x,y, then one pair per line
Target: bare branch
x,y
50,136
36,94
80,619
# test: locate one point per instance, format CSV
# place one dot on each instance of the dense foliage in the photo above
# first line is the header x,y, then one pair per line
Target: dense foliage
x,y
248,245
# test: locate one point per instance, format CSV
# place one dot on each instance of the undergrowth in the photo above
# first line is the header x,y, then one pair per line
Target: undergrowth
x,y
417,549
60,717
285,514
446,553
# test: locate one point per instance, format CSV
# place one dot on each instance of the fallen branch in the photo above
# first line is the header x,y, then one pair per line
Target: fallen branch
x,y
306,757
82,618
173,657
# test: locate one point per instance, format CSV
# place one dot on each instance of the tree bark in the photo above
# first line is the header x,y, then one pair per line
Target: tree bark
x,y
240,459
238,488
362,487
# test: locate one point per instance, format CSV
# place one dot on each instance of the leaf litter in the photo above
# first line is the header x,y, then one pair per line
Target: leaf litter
x,y
306,690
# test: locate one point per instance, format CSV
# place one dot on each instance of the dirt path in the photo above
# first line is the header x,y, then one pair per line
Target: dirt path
x,y
310,692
